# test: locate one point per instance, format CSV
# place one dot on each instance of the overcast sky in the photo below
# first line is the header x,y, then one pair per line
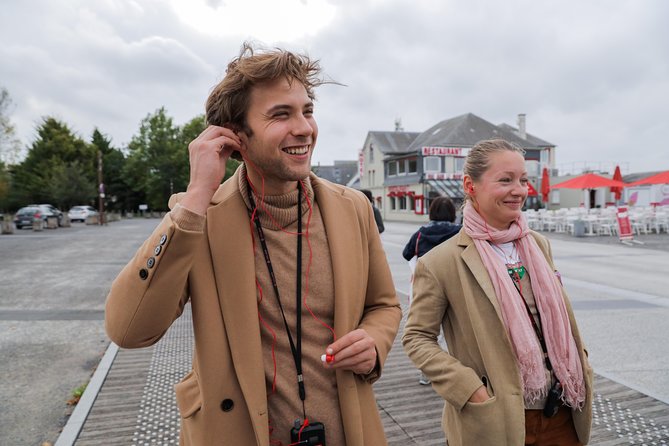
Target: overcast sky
x,y
591,76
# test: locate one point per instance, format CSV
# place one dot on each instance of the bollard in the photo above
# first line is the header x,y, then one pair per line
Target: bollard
x,y
52,222
65,221
92,220
7,225
38,224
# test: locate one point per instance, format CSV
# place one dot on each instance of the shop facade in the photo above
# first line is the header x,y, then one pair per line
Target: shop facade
x,y
406,170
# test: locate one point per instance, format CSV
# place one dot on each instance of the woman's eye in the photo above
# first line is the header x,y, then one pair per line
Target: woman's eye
x,y
524,181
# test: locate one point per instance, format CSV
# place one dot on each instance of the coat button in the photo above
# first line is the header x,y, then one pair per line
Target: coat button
x,y
227,405
163,239
150,262
157,250
143,274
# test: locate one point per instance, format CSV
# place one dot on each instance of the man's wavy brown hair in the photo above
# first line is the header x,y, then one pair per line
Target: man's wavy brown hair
x,y
228,102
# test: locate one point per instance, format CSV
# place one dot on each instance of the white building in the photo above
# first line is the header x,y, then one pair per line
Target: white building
x,y
405,170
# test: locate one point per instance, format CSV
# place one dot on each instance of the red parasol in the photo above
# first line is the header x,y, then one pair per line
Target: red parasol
x,y
588,181
660,178
545,185
617,191
531,190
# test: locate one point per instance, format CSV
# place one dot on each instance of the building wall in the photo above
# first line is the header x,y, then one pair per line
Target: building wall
x,y
371,172
385,185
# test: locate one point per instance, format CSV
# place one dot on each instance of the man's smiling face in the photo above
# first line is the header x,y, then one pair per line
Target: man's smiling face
x,y
281,135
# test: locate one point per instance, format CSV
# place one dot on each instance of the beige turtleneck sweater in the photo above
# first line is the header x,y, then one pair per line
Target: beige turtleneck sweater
x,y
278,217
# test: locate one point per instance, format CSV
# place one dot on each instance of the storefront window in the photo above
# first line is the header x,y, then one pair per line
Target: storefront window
x,y
393,204
403,203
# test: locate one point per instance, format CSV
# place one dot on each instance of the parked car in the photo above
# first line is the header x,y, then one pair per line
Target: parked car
x,y
80,213
25,216
49,210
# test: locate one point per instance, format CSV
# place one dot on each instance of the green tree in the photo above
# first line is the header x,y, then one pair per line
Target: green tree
x,y
150,169
59,168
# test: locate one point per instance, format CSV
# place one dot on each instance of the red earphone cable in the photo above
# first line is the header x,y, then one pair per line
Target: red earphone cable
x,y
259,287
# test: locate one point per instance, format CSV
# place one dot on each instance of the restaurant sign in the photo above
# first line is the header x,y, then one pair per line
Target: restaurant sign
x,y
445,151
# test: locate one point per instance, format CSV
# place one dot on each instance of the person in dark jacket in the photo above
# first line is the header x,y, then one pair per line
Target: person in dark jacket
x,y
438,230
377,213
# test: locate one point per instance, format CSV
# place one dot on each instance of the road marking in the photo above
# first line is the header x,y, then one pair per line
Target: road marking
x,y
617,292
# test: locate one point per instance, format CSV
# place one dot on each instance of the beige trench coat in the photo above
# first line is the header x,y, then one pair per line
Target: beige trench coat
x,y
452,290
223,400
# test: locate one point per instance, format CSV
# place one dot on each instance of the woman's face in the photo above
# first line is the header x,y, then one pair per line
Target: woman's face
x,y
501,191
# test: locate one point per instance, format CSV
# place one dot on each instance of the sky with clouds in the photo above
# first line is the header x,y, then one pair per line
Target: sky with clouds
x,y
592,76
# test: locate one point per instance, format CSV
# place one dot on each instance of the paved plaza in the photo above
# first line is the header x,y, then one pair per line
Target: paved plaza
x,y
620,295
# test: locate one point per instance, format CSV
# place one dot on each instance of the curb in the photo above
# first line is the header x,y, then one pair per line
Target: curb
x,y
70,432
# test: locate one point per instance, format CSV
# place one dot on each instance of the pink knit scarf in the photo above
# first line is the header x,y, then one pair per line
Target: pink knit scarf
x,y
555,324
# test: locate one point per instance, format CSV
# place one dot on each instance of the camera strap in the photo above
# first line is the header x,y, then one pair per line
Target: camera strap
x,y
295,347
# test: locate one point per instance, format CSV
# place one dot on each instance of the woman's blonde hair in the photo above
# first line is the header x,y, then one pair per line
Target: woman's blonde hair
x,y
478,158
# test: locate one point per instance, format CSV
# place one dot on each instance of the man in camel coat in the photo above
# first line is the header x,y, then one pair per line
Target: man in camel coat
x,y
244,254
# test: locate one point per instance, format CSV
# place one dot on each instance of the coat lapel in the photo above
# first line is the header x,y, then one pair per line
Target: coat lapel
x,y
344,240
234,271
472,259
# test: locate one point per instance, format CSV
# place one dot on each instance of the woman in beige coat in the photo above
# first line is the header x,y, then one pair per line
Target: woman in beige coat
x,y
516,371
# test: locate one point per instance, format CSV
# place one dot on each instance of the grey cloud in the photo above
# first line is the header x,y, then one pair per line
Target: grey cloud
x,y
591,76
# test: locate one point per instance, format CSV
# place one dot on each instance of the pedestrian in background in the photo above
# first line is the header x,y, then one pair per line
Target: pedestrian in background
x,y
377,212
439,229
516,371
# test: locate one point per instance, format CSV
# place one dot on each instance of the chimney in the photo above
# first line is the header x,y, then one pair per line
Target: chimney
x,y
521,126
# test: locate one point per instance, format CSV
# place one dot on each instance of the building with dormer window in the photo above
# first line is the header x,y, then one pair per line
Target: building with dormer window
x,y
406,170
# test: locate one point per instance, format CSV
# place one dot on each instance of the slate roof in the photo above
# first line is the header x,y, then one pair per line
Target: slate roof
x,y
528,136
465,131
392,141
341,172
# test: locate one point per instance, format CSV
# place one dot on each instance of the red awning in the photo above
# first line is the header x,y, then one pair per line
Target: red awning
x,y
531,191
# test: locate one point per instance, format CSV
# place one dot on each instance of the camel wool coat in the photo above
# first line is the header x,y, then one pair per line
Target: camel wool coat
x,y
223,399
452,290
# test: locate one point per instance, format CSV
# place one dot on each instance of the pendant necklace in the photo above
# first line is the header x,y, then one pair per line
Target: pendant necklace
x,y
512,261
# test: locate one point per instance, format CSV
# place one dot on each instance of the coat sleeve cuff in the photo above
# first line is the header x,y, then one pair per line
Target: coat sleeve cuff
x,y
187,220
375,373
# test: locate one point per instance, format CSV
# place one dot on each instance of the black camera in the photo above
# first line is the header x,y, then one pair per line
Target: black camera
x,y
312,434
553,402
